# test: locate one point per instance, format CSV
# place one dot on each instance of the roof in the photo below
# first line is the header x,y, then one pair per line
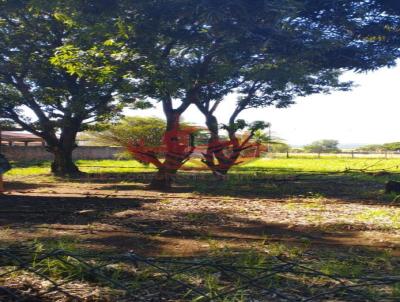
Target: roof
x,y
19,137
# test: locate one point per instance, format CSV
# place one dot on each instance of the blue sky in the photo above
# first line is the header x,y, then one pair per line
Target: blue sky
x,y
368,114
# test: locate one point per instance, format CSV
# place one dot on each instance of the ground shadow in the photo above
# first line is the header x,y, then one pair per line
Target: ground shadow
x,y
24,186
25,209
349,186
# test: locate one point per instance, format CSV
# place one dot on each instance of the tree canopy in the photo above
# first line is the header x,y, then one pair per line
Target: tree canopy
x,y
268,53
395,146
323,146
38,60
76,62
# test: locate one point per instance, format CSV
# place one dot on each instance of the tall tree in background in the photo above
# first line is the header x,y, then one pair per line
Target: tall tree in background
x,y
58,74
323,146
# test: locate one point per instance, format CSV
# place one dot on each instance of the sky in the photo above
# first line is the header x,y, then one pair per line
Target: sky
x,y
368,114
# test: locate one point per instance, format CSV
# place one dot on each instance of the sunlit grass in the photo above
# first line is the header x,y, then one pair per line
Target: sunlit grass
x,y
113,166
322,165
264,165
389,218
88,166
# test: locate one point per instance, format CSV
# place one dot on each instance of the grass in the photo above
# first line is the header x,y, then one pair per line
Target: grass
x,y
308,201
88,166
315,274
389,218
276,166
322,165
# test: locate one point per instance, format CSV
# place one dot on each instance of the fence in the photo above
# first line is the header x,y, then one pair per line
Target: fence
x,y
347,154
27,153
64,276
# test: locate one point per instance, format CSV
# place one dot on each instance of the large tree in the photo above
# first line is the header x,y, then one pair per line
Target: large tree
x,y
303,51
268,52
200,53
59,70
184,52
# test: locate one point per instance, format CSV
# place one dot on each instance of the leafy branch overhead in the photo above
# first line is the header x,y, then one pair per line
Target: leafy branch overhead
x,y
63,69
75,63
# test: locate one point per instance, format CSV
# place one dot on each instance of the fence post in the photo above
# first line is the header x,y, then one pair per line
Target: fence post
x,y
1,175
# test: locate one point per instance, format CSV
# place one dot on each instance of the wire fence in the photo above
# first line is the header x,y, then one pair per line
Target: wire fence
x,y
60,275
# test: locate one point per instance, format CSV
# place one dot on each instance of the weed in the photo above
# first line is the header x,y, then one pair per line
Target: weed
x,y
280,249
389,218
335,267
396,291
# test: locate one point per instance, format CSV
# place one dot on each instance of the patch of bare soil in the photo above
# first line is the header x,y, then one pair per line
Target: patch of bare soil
x,y
126,216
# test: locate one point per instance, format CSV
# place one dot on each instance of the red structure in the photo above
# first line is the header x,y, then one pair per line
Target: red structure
x,y
178,146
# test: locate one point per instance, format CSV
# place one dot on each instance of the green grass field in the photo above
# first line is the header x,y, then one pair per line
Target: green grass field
x,y
275,166
323,165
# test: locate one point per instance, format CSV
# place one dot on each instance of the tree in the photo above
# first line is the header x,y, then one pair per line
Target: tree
x,y
392,146
395,146
267,52
274,144
204,51
62,68
301,56
323,146
147,132
129,130
371,148
7,125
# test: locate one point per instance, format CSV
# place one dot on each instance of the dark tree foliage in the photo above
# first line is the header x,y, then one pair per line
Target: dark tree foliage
x,y
59,71
80,61
269,52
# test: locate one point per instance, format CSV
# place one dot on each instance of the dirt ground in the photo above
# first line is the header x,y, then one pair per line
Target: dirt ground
x,y
110,215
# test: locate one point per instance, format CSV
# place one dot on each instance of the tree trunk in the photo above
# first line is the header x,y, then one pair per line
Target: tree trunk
x,y
163,180
63,165
175,155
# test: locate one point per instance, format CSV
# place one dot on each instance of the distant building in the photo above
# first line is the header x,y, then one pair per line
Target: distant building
x,y
15,138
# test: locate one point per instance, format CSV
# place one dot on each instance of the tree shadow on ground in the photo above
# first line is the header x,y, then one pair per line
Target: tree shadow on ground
x,y
110,177
348,187
355,187
25,209
230,228
24,186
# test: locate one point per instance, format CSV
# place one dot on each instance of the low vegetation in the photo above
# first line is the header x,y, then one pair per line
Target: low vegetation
x,y
328,215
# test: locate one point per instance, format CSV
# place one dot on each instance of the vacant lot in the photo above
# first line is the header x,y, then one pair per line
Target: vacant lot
x,y
331,213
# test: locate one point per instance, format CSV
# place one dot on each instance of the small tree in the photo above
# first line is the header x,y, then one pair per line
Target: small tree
x,y
129,130
146,139
323,146
274,144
